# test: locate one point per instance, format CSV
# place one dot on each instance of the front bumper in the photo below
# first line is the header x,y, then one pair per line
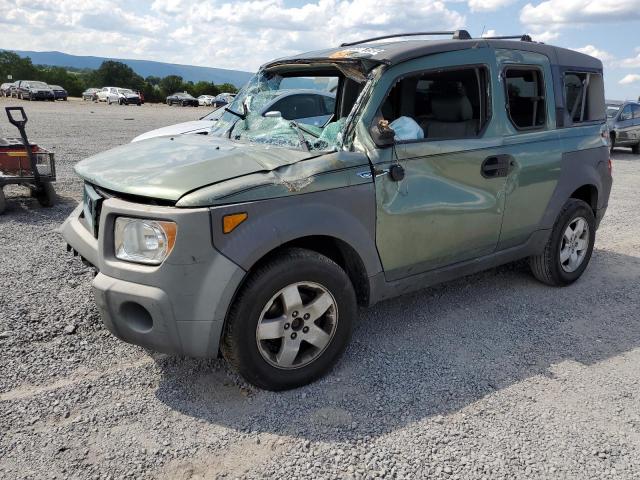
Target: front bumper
x,y
178,307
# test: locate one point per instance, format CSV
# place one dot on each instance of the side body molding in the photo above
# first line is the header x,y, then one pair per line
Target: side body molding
x,y
347,214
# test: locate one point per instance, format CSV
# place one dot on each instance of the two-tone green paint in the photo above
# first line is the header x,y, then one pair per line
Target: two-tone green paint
x,y
443,212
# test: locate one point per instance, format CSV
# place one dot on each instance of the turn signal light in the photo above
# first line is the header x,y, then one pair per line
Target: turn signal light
x,y
230,222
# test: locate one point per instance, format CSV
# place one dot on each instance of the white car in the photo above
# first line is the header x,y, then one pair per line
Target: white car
x,y
196,126
205,100
121,96
309,107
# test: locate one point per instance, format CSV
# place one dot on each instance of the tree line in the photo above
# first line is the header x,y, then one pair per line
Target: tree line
x,y
110,73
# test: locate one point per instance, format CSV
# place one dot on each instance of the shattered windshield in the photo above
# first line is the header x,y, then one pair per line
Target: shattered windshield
x,y
293,111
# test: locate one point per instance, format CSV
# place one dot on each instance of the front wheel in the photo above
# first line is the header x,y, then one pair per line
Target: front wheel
x,y
291,321
568,250
635,149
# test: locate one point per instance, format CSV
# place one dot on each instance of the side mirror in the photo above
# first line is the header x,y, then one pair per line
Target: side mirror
x,y
382,134
273,114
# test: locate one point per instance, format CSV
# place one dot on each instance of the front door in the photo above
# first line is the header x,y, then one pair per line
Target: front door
x,y
448,207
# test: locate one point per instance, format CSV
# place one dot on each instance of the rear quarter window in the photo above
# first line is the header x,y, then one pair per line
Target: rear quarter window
x,y
584,97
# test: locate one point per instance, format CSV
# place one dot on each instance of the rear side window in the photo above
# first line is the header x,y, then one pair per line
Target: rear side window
x,y
294,107
626,113
525,97
584,97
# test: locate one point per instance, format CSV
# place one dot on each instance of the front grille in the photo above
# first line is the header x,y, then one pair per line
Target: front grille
x,y
92,208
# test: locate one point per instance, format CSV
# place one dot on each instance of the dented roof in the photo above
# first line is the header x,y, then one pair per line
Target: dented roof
x,y
394,52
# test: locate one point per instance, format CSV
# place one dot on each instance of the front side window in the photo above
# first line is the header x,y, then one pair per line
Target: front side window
x,y
584,96
525,97
436,105
612,110
636,111
295,107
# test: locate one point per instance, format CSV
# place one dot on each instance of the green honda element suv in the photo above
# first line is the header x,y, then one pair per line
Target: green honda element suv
x,y
259,237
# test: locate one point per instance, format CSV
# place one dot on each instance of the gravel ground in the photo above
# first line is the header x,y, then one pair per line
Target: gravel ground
x,y
490,376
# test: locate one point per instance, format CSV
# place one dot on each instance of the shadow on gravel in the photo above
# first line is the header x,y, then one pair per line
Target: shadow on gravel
x,y
431,353
624,154
25,209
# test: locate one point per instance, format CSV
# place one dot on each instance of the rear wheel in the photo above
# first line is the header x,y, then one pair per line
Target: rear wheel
x,y
568,250
47,196
636,149
291,321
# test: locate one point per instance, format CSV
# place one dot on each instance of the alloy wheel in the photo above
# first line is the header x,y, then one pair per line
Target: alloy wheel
x,y
296,325
574,244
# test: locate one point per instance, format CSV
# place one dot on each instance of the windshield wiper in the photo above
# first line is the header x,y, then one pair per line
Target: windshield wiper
x,y
241,116
303,141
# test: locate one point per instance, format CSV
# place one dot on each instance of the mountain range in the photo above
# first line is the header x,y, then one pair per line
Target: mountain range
x,y
141,67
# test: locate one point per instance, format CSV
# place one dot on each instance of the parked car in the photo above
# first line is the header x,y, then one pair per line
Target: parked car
x,y
182,98
308,107
104,92
90,94
202,126
59,92
260,239
5,89
121,96
222,99
205,100
33,90
623,119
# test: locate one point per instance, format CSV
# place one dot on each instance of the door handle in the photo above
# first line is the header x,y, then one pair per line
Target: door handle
x,y
497,166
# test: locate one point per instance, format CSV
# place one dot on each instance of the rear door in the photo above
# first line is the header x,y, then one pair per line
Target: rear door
x,y
531,141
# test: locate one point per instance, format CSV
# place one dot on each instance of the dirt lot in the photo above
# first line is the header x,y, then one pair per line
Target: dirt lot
x,y
490,376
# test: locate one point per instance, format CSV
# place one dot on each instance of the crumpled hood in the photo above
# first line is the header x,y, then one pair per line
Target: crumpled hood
x,y
169,167
194,126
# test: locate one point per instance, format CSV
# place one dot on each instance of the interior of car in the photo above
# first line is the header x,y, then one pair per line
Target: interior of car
x,y
445,104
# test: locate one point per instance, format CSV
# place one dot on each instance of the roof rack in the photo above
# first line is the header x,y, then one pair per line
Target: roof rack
x,y
522,38
456,35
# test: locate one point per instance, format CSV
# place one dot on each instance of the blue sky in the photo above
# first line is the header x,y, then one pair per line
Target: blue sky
x,y
242,35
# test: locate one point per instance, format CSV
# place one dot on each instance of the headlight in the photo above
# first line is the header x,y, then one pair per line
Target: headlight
x,y
144,241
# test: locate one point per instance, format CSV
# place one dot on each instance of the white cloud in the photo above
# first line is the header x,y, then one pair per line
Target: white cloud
x,y
633,62
490,33
579,11
544,35
240,35
631,78
604,56
488,5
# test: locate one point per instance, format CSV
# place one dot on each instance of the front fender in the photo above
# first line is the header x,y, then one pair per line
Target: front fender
x,y
347,214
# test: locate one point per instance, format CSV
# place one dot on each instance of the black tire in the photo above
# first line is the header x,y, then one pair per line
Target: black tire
x,y
239,344
47,196
635,149
547,266
3,202
612,137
